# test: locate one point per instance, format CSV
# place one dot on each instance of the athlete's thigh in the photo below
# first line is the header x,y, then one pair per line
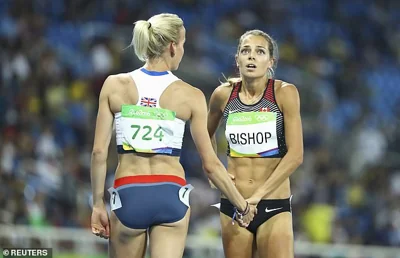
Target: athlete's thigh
x,y
168,240
275,237
237,241
125,242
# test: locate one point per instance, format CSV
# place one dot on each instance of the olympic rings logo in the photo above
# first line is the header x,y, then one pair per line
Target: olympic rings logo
x,y
160,115
262,118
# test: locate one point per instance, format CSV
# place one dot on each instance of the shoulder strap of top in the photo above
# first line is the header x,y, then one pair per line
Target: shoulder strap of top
x,y
269,93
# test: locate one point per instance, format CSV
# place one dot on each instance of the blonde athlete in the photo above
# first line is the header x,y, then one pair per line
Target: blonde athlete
x,y
149,107
263,129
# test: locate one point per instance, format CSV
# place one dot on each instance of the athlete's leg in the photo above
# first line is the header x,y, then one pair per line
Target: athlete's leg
x,y
168,240
255,253
237,241
125,242
275,237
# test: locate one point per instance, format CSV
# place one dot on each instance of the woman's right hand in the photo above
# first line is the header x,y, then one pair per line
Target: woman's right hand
x,y
245,220
99,222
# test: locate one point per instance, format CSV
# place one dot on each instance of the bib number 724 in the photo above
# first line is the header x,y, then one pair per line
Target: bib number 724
x,y
146,132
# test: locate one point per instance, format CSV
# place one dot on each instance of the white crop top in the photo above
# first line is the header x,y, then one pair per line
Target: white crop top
x,y
146,127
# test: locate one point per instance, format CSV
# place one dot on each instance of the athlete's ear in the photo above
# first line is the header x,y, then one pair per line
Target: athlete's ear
x,y
172,48
272,62
236,59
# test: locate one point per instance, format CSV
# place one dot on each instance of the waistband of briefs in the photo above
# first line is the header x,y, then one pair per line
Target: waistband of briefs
x,y
149,179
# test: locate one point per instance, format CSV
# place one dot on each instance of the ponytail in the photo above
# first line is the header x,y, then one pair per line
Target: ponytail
x,y
141,39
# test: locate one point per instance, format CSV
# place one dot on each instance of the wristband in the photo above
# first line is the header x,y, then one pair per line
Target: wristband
x,y
239,214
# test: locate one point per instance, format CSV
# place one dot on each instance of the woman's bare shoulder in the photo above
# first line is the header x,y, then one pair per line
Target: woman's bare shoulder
x,y
121,78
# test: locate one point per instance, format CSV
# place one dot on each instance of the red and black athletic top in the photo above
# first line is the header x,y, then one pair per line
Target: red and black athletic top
x,y
266,104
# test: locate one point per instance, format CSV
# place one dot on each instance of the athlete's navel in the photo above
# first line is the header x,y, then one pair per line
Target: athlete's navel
x,y
251,181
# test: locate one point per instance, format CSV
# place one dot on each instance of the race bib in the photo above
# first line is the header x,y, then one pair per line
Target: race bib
x,y
115,201
145,129
184,194
252,134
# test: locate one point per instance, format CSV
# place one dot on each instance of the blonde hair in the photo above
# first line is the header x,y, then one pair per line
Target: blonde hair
x,y
230,80
272,49
151,37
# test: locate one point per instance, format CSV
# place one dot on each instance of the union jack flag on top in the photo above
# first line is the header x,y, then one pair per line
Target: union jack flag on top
x,y
148,102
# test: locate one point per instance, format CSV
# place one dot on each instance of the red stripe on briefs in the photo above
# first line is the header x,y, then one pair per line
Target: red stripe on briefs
x,y
269,93
149,179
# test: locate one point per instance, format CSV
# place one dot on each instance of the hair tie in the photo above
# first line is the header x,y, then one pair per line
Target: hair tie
x,y
149,25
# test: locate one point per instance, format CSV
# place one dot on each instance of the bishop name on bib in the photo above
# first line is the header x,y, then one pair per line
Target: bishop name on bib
x,y
252,134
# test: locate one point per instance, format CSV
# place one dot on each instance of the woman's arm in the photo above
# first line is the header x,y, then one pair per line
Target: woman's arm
x,y
101,143
214,115
213,167
294,140
214,118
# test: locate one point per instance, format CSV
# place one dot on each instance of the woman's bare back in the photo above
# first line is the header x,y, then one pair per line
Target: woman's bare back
x,y
175,98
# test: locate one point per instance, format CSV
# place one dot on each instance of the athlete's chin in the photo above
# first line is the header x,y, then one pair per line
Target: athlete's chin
x,y
252,75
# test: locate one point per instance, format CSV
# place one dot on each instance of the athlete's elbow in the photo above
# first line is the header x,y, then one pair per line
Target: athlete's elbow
x,y
296,158
299,160
208,169
99,154
211,167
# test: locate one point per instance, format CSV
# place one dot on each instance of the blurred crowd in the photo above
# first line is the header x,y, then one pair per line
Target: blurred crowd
x,y
342,55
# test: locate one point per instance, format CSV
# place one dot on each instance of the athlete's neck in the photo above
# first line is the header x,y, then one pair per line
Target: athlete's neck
x,y
157,65
254,86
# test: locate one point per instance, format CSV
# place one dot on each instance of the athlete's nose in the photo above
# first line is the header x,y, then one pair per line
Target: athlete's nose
x,y
251,55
